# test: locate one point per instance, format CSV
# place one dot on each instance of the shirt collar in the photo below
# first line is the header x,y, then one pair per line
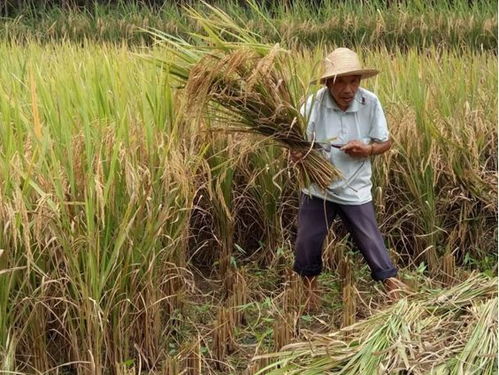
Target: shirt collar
x,y
354,106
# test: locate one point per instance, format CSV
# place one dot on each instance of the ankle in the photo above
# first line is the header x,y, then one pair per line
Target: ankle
x,y
310,282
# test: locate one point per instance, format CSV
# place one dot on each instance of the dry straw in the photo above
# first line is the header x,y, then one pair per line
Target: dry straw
x,y
453,331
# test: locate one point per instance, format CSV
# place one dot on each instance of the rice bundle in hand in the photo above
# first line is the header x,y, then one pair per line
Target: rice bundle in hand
x,y
244,86
242,90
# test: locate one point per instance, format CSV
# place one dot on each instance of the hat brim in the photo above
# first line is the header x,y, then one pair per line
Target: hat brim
x,y
364,73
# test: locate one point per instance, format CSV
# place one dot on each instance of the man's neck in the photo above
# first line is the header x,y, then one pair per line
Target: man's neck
x,y
343,109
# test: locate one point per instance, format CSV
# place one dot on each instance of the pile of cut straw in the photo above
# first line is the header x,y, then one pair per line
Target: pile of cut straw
x,y
453,331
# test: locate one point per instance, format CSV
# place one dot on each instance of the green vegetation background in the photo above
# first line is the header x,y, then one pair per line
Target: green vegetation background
x,y
460,24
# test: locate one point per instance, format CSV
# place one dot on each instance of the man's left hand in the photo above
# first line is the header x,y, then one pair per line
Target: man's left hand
x,y
357,149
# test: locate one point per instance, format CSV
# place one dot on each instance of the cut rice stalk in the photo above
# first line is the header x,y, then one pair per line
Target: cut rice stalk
x,y
247,85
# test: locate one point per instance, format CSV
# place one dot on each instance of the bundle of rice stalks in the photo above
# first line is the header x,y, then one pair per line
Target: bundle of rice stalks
x,y
435,332
231,78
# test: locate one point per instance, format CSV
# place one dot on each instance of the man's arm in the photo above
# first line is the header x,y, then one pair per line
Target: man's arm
x,y
360,149
379,148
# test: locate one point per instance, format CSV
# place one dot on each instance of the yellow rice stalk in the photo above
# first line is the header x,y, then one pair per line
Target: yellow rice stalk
x,y
293,292
171,366
448,269
238,298
194,358
284,328
349,305
345,272
223,334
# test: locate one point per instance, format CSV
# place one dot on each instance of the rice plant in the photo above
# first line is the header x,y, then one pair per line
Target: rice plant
x,y
117,207
408,24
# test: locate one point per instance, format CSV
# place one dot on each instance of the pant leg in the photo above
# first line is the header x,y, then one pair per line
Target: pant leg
x,y
360,221
314,219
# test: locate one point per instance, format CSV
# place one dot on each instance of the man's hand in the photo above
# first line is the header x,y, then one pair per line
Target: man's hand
x,y
357,149
296,156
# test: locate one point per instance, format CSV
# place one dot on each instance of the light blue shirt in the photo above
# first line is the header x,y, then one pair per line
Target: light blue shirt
x,y
363,120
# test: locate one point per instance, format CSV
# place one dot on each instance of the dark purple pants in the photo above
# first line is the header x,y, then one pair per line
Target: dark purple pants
x,y
316,215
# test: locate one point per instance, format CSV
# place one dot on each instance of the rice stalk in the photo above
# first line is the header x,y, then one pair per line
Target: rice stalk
x,y
193,358
238,297
223,336
345,272
171,366
448,269
349,305
293,294
284,328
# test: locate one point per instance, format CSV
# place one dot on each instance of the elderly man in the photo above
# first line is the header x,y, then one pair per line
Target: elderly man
x,y
349,123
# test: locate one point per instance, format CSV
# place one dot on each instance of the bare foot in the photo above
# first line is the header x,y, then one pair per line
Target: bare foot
x,y
313,302
312,294
393,287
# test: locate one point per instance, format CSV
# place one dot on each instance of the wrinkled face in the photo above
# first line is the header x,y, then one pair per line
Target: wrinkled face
x,y
343,89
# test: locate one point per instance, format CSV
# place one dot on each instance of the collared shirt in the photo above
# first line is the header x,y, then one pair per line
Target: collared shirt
x,y
363,120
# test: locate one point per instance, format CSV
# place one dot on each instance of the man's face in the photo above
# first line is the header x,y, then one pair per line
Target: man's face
x,y
343,89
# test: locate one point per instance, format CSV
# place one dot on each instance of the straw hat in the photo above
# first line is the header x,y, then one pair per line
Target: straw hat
x,y
344,62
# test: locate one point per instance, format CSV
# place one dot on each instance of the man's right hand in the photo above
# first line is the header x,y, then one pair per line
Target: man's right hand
x,y
296,156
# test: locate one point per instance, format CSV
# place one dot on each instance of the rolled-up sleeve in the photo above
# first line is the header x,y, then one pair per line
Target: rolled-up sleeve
x,y
379,127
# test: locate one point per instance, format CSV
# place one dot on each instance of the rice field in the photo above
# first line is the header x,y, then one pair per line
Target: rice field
x,y
136,238
391,24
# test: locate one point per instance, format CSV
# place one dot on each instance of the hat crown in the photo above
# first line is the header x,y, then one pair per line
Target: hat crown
x,y
342,60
